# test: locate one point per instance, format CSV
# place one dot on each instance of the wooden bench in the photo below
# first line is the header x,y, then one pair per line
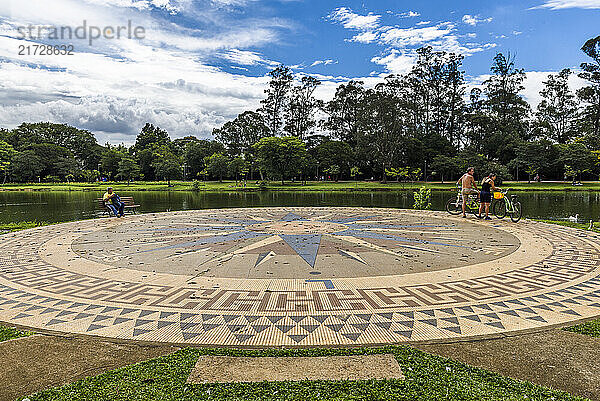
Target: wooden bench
x,y
127,200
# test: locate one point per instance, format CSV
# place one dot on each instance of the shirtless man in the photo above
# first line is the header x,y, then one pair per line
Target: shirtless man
x,y
469,187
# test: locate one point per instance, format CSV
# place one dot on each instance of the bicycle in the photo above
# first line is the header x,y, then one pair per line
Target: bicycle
x,y
454,205
504,205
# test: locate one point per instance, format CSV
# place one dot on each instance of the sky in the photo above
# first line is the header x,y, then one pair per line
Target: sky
x,y
194,64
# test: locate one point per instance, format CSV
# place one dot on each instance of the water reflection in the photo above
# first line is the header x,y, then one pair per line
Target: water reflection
x,y
64,206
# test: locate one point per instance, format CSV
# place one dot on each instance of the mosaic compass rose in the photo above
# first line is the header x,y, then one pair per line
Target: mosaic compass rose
x,y
260,243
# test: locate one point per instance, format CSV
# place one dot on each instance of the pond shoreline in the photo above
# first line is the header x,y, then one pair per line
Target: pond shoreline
x,y
311,186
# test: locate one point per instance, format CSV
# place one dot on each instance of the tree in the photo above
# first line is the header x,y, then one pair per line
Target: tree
x,y
128,169
330,153
237,167
7,153
217,165
437,88
196,153
345,111
299,116
146,148
26,166
590,95
508,111
577,157
382,134
557,112
66,168
166,164
277,98
240,134
149,137
445,166
280,156
111,157
80,143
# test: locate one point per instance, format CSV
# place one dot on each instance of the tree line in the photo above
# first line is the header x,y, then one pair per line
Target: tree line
x,y
419,125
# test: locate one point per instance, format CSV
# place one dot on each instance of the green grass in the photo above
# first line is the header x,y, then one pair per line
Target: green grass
x,y
230,186
591,328
8,333
428,377
23,225
566,223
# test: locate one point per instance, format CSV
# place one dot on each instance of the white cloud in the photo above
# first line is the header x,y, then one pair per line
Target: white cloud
x,y
396,62
114,87
400,43
404,37
516,33
475,19
245,57
533,84
562,4
409,14
364,37
351,20
323,62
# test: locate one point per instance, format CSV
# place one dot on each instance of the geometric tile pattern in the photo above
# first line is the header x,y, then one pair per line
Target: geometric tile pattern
x,y
550,277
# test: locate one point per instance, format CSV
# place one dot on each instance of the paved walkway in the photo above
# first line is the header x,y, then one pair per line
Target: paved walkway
x,y
32,364
557,359
298,277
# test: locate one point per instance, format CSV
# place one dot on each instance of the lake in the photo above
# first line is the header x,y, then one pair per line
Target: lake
x,y
65,206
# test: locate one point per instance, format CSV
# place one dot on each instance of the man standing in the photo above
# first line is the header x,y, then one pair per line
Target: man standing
x,y
469,187
113,202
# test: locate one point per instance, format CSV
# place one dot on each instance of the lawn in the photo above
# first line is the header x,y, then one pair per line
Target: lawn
x,y
428,377
230,186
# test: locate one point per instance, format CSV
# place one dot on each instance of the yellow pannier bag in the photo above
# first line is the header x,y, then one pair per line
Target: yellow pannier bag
x,y
498,195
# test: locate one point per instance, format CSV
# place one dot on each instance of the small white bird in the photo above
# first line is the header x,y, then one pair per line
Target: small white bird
x,y
591,225
573,219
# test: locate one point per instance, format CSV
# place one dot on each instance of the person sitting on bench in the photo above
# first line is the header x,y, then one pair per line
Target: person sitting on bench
x,y
113,202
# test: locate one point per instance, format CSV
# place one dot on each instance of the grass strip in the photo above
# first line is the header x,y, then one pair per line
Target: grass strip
x,y
231,186
428,377
8,333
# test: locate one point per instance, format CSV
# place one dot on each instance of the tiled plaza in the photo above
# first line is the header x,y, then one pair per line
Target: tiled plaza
x,y
298,277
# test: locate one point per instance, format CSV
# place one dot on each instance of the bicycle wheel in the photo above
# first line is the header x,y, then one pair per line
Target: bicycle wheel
x,y
453,207
499,209
517,212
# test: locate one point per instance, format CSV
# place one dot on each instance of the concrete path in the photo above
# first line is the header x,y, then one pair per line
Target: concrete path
x,y
558,359
39,362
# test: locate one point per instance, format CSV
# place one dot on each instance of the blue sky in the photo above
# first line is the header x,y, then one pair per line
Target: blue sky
x,y
202,62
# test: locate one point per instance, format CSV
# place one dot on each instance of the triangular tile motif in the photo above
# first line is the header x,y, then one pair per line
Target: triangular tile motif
x,y
82,315
21,316
166,315
119,320
93,327
404,333
351,336
139,332
189,336
52,322
145,313
205,326
297,337
126,311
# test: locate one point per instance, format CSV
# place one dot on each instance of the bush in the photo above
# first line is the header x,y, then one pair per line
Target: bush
x,y
262,185
422,199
